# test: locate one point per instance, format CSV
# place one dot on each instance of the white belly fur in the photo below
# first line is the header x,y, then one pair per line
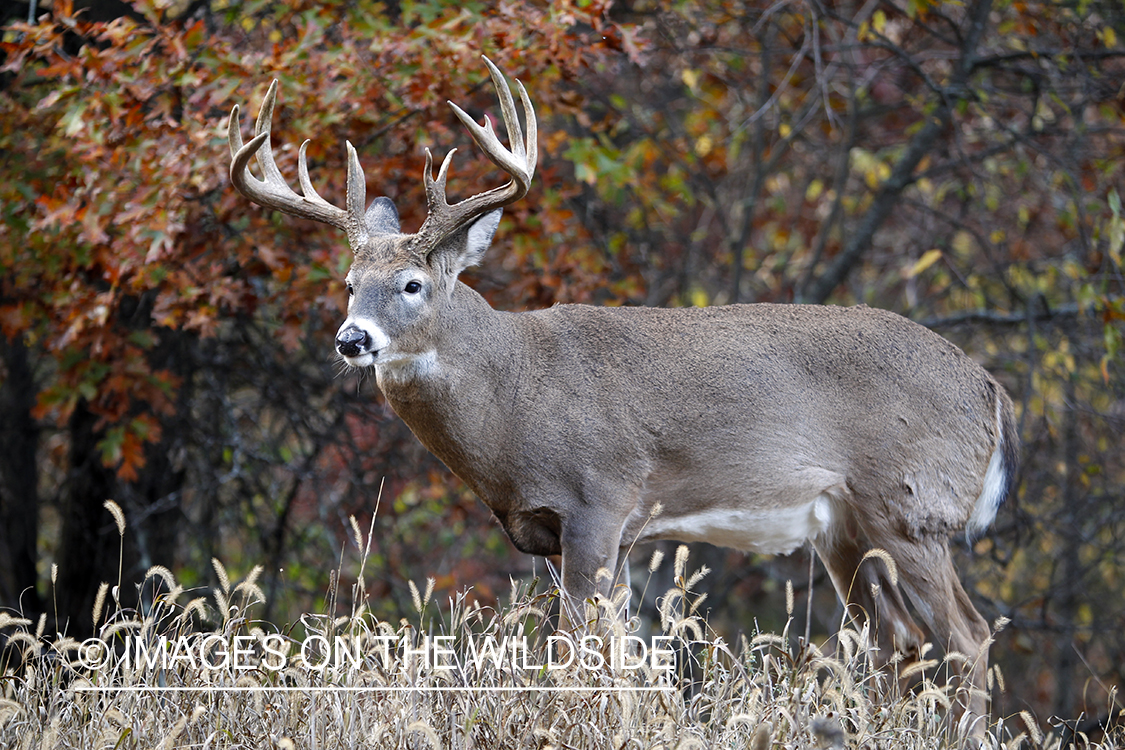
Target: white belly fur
x,y
774,531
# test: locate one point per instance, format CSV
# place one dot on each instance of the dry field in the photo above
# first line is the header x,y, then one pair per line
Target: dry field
x,y
194,669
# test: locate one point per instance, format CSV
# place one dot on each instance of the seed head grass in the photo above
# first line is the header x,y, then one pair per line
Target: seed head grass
x,y
198,669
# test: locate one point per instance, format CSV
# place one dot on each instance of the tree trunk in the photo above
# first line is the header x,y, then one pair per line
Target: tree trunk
x,y
19,496
88,542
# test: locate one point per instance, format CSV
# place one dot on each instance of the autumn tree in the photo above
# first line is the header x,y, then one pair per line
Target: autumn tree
x,y
167,344
958,163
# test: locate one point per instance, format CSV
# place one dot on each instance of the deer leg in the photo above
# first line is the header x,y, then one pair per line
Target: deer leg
x,y
870,596
931,582
590,547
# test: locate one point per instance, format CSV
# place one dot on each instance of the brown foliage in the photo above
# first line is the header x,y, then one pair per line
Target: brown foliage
x,y
959,163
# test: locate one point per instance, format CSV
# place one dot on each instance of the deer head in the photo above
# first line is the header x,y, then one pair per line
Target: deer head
x,y
398,281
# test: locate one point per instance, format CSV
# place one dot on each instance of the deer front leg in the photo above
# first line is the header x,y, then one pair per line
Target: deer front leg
x,y
590,545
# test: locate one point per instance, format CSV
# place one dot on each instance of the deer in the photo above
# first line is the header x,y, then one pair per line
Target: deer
x,y
586,429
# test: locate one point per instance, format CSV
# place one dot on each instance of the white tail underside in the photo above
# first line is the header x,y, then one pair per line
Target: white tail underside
x,y
995,481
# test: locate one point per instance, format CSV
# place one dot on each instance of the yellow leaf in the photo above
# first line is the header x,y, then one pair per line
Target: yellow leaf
x,y
784,130
928,259
699,297
815,188
963,244
690,78
879,21
1109,36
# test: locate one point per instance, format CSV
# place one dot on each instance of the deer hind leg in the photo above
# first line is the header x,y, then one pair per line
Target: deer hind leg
x,y
869,595
927,573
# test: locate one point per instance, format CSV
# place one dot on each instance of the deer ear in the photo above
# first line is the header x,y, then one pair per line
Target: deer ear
x,y
382,217
466,246
480,236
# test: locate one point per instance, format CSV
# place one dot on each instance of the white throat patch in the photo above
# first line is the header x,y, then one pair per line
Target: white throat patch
x,y
406,367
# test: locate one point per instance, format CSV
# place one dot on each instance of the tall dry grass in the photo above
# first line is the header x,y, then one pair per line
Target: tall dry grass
x,y
766,691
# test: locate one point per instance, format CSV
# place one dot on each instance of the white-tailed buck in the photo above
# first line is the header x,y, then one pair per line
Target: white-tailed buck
x,y
756,427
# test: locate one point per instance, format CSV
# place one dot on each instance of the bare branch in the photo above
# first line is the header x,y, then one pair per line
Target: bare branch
x,y
860,241
902,174
999,319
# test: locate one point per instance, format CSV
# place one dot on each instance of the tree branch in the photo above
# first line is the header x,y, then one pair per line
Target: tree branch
x,y
998,60
903,173
860,240
999,319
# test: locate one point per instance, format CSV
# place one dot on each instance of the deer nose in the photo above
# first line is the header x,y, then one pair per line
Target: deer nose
x,y
351,342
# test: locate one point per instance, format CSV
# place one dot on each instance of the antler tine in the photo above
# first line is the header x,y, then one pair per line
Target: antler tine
x,y
519,162
530,154
274,192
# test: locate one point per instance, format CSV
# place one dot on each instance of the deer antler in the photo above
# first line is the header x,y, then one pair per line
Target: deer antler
x,y
274,192
442,219
519,162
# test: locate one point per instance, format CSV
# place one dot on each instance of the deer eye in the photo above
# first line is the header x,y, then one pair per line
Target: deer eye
x,y
351,290
412,287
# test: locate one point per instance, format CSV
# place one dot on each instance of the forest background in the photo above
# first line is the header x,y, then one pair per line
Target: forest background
x,y
167,344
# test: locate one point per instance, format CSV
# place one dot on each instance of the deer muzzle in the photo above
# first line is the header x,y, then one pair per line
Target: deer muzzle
x,y
352,342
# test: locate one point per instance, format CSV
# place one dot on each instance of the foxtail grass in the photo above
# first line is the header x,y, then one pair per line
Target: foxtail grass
x,y
462,675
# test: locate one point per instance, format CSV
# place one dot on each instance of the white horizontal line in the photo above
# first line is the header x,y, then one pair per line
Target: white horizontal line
x,y
372,689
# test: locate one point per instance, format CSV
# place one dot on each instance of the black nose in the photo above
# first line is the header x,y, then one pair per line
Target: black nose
x,y
351,342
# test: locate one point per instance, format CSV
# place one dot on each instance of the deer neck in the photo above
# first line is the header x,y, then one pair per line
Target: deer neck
x,y
453,396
